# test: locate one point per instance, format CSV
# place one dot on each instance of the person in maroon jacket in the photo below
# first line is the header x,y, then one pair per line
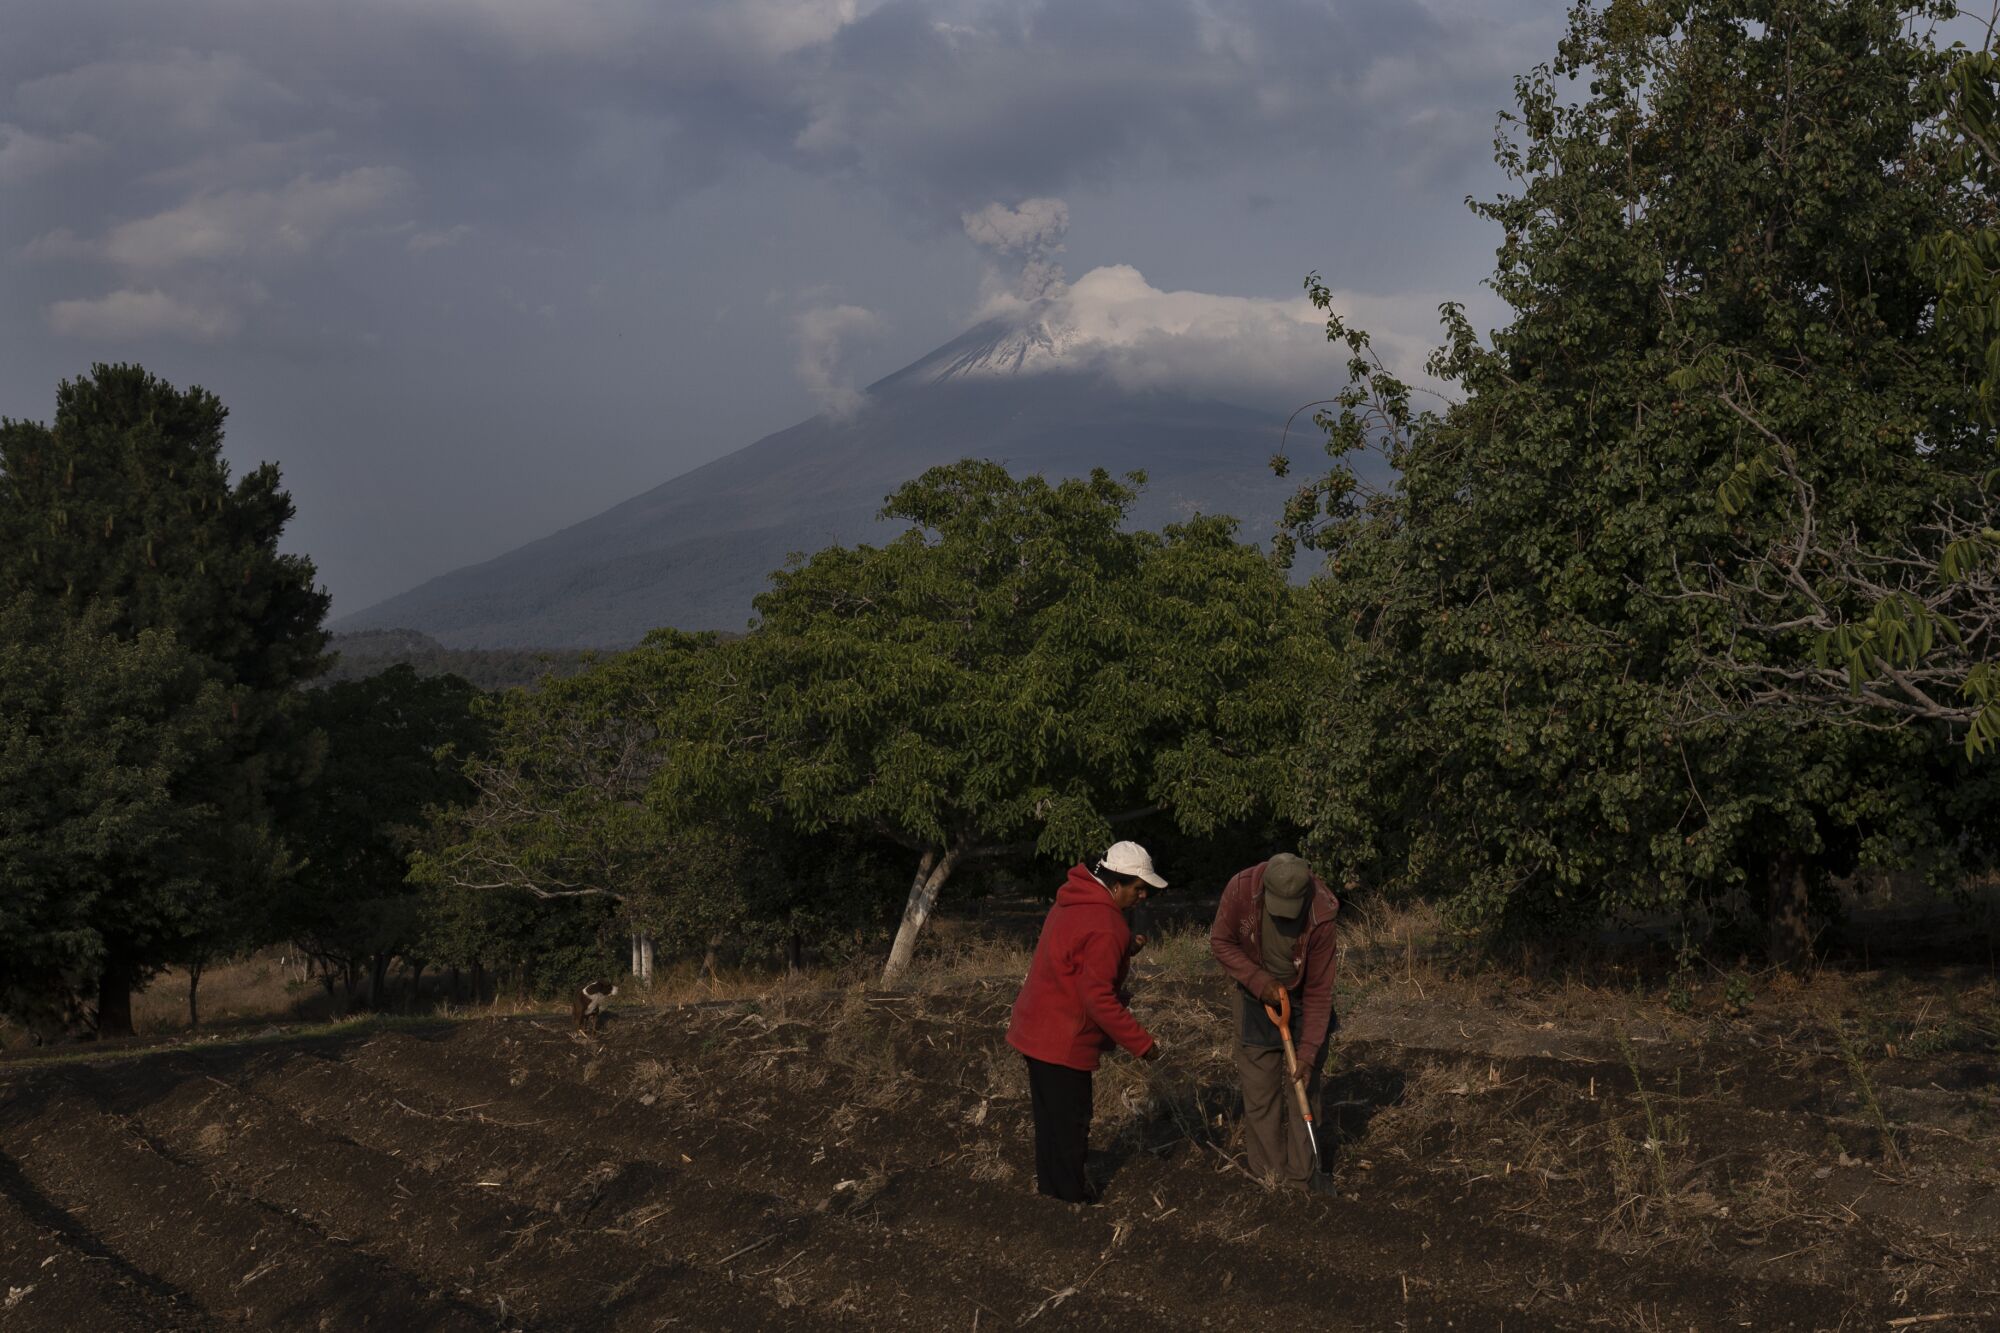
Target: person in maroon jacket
x,y
1071,1009
1274,936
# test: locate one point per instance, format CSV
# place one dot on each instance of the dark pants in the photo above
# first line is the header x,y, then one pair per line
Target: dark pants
x,y
1061,1097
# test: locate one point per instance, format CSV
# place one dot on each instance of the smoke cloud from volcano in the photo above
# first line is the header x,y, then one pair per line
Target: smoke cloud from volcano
x,y
1031,234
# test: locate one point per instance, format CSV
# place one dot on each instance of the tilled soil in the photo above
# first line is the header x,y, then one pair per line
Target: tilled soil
x,y
857,1160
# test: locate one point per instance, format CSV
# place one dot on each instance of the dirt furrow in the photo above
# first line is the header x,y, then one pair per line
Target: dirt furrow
x,y
920,1185
575,1193
1464,1246
514,1260
846,1251
55,1275
835,1161
242,1261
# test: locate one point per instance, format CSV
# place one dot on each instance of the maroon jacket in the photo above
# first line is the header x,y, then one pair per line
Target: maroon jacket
x,y
1237,940
1069,1010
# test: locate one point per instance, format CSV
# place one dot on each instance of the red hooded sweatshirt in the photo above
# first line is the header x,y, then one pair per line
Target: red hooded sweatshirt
x,y
1069,1011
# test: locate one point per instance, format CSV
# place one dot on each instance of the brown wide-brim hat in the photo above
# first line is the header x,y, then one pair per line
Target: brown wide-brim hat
x,y
1288,882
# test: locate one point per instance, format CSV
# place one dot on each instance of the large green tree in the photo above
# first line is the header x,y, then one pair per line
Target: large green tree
x,y
124,500
104,742
1015,673
1908,628
1518,718
396,747
561,803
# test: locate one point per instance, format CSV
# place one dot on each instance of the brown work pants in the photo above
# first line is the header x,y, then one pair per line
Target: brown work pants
x,y
1274,1138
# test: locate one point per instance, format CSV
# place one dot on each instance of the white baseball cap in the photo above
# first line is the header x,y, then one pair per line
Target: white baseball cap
x,y
1129,858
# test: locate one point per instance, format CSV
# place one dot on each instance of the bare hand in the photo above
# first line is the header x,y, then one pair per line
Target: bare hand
x,y
1273,995
1152,1052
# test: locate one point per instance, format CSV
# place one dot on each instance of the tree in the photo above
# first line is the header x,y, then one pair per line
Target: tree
x,y
1736,182
125,501
1908,629
1014,673
103,743
560,805
396,746
538,946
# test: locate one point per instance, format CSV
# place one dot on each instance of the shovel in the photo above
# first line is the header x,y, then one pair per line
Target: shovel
x,y
1282,1016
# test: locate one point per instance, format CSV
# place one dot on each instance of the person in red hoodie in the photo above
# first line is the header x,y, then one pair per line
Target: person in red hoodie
x,y
1071,1009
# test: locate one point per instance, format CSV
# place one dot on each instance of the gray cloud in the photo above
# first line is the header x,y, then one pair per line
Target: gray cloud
x,y
24,154
283,222
826,337
944,105
438,238
173,93
1030,235
128,313
1033,229
509,254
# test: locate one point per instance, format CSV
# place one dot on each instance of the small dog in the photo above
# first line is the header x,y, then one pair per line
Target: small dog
x,y
590,1002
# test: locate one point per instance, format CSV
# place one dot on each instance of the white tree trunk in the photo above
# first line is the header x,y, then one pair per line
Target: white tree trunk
x,y
635,953
646,959
932,871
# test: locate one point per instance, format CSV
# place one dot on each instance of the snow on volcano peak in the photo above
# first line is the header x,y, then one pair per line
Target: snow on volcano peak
x,y
1112,321
1015,344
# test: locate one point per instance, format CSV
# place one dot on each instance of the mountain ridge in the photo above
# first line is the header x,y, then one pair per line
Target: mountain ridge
x,y
693,551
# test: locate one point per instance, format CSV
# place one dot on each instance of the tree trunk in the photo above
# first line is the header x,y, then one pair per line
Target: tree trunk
x,y
795,953
708,957
194,989
114,999
378,983
1790,913
478,980
635,953
416,982
452,984
932,871
646,959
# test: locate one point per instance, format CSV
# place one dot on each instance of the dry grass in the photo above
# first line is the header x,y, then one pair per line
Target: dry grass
x,y
955,956
251,989
1379,924
663,1083
1392,943
1181,953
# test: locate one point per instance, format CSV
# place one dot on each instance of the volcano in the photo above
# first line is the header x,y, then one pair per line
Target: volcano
x,y
692,552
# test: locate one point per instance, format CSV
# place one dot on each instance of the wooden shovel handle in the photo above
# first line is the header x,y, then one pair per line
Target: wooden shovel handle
x,y
1282,1016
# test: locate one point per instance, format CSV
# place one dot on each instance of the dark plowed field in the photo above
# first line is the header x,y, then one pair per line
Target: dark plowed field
x,y
859,1161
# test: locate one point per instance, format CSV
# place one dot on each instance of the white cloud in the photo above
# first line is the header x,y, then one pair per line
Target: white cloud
x,y
438,239
1239,348
741,30
176,92
62,243
825,336
129,313
24,153
233,225
245,163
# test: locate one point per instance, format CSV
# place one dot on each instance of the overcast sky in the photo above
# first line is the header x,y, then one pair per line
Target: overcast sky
x,y
472,270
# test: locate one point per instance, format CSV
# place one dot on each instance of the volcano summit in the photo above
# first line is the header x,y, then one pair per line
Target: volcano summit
x,y
692,552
